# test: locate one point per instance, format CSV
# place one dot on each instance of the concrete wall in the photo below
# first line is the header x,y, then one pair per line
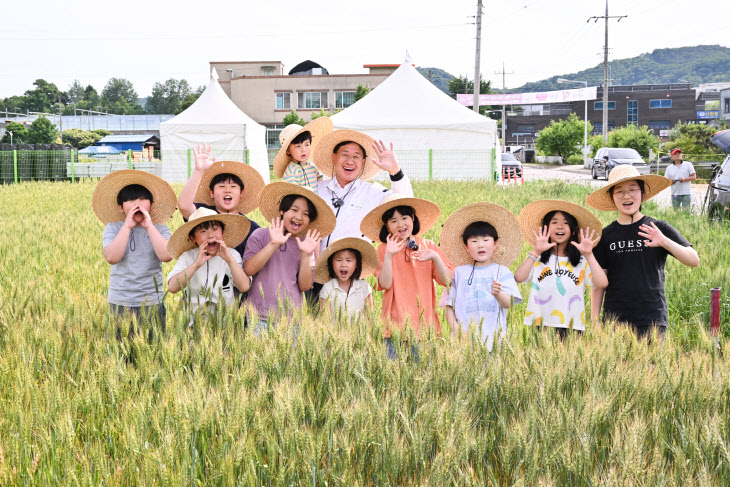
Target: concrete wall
x,y
245,68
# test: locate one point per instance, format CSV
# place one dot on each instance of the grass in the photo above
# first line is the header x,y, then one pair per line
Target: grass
x,y
221,407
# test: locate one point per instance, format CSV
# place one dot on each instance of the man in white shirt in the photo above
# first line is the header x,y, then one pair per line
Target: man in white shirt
x,y
351,158
682,173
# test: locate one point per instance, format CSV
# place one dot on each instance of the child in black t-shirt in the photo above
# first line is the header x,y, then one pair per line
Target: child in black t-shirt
x,y
633,250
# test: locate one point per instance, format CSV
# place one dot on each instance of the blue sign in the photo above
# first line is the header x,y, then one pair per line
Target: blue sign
x,y
708,114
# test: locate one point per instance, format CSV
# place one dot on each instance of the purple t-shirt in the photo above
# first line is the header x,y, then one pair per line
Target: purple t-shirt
x,y
278,278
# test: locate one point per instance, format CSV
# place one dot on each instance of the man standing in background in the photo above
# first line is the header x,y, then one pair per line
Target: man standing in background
x,y
682,173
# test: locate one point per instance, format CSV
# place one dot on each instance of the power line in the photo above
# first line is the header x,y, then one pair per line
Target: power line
x,y
504,106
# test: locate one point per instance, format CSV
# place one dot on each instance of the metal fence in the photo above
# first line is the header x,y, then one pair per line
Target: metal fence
x,y
702,163
56,165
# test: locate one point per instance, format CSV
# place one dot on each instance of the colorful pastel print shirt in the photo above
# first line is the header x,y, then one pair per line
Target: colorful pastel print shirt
x,y
471,298
304,174
557,294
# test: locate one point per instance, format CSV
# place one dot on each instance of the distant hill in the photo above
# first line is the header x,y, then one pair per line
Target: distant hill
x,y
698,64
439,77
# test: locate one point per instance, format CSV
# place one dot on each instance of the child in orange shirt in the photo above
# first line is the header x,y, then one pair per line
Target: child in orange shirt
x,y
408,265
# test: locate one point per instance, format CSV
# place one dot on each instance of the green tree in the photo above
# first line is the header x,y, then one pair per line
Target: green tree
x,y
461,84
639,138
190,98
42,131
322,113
692,139
562,138
80,138
167,97
19,130
119,97
43,97
75,93
361,91
293,118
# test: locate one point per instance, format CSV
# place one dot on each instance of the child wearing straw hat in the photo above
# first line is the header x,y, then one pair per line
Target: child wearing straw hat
x,y
208,266
224,186
134,206
407,264
633,251
280,265
342,269
561,263
291,163
482,239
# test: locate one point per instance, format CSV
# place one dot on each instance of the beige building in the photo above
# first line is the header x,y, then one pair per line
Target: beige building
x,y
267,94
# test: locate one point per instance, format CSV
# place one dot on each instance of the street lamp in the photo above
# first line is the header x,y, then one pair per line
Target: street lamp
x,y
585,117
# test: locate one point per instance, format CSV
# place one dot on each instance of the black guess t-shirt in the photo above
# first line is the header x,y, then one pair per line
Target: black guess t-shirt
x,y
635,292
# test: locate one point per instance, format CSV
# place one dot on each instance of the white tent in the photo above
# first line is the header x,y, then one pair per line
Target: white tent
x,y
416,116
214,120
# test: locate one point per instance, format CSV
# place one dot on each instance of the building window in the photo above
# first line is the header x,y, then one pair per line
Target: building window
x,y
598,105
727,105
662,103
283,101
267,70
344,99
272,136
598,127
632,112
525,129
659,125
312,100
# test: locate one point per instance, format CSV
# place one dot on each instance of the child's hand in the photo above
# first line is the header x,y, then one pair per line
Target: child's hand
x,y
147,220
203,255
277,233
542,240
310,242
224,253
425,254
393,245
654,237
496,288
587,241
202,157
129,217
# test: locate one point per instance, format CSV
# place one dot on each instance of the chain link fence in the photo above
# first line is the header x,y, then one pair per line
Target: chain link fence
x,y
55,162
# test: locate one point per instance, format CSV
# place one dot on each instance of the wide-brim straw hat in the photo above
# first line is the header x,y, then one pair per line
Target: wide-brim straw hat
x,y
367,252
271,195
323,152
427,212
509,236
235,231
318,127
653,185
252,184
532,215
104,199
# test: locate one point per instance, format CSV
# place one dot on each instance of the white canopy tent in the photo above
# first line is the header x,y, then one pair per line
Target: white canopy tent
x,y
214,120
432,133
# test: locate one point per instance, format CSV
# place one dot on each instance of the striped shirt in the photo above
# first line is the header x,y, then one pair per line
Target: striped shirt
x,y
304,174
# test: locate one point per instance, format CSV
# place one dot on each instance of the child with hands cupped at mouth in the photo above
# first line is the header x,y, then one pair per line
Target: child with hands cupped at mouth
x,y
482,239
408,265
208,266
134,206
561,264
279,257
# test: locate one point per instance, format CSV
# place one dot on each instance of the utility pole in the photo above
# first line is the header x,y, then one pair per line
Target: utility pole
x,y
605,67
504,106
477,77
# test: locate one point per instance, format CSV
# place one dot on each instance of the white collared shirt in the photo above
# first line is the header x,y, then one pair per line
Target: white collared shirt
x,y
360,197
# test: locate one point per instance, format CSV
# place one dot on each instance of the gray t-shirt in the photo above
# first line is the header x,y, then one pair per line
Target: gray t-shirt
x,y
685,170
137,278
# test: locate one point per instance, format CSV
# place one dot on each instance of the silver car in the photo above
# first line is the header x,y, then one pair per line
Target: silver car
x,y
609,157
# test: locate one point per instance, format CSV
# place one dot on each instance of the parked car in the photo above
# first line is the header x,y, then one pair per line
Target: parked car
x,y
717,198
616,156
511,167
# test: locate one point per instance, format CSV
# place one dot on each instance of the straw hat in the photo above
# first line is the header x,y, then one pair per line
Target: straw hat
x,y
236,229
323,152
427,212
531,217
508,233
602,200
367,252
271,195
318,127
252,184
104,200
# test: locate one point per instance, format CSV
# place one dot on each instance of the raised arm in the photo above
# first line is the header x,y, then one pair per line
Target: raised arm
x,y
186,200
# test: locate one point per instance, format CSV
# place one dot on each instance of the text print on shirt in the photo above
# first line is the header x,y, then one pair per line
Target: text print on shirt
x,y
559,272
622,246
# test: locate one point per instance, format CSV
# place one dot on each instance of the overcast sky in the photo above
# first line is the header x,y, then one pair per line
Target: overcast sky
x,y
149,41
